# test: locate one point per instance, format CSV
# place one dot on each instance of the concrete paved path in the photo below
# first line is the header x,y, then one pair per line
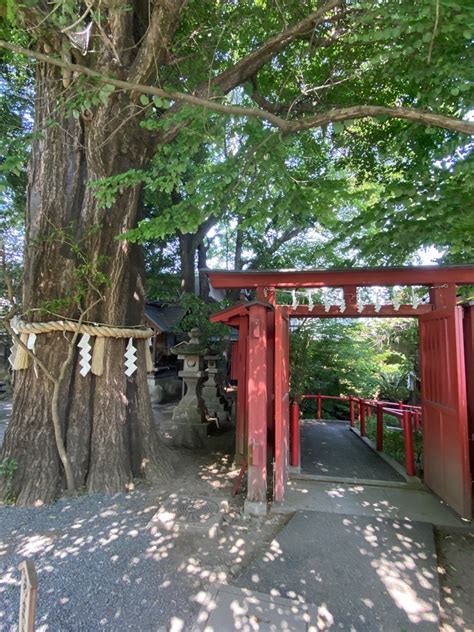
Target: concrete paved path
x,y
362,573
329,448
225,608
401,503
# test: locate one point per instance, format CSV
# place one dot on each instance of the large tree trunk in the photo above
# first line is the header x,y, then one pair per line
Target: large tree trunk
x,y
107,421
187,254
234,295
190,245
202,265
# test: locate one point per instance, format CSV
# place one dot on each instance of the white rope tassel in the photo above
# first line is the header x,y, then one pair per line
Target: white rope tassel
x,y
130,358
310,300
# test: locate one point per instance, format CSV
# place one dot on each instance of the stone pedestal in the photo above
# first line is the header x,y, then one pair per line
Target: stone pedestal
x,y
188,426
215,404
163,390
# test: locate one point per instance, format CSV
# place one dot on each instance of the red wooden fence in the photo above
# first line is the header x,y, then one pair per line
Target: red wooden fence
x,y
409,416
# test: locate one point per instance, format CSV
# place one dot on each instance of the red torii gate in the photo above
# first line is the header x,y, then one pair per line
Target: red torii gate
x,y
446,350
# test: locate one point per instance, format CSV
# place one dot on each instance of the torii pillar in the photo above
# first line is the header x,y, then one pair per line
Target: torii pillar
x,y
257,398
253,395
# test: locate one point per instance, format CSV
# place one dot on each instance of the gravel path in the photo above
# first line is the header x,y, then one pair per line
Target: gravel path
x,y
100,567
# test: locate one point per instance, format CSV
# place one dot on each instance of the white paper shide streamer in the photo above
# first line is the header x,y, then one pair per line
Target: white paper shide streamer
x,y
14,347
130,358
12,356
294,300
31,344
416,301
360,302
326,300
85,354
396,300
378,302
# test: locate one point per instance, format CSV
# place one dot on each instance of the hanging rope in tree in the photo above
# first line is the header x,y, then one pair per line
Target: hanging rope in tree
x,y
89,362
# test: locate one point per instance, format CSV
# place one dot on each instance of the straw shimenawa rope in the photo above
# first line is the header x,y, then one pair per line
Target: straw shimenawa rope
x,y
99,331
93,329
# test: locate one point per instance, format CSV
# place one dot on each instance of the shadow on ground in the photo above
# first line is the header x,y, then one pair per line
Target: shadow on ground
x,y
102,567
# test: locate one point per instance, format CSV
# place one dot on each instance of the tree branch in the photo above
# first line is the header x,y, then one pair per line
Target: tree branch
x,y
275,245
154,49
370,111
285,126
246,68
203,229
280,108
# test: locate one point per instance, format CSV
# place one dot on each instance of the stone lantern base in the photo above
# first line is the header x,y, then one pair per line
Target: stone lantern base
x,y
188,427
183,434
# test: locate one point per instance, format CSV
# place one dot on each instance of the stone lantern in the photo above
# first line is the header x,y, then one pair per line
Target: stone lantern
x,y
188,424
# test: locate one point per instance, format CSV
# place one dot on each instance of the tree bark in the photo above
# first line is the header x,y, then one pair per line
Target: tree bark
x,y
239,245
107,421
190,246
234,295
202,264
187,254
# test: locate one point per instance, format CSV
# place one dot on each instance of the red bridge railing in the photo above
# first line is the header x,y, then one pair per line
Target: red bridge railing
x,y
410,418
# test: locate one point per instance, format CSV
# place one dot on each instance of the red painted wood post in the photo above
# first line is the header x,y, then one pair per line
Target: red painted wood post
x,y
417,420
318,399
379,428
362,417
257,410
241,403
352,411
408,437
295,434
